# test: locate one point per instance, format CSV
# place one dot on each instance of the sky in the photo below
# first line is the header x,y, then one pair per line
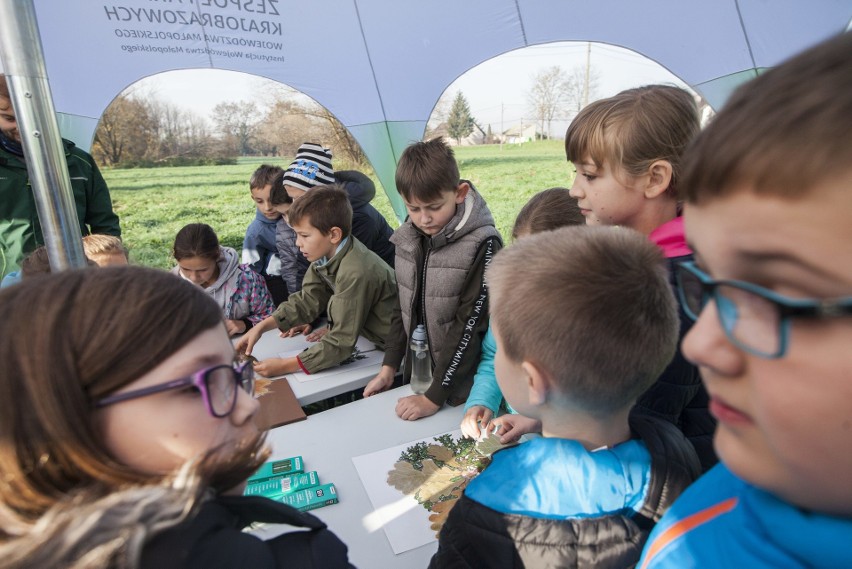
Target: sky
x,y
500,83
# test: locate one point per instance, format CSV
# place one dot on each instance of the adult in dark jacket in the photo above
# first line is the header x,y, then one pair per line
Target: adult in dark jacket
x,y
20,228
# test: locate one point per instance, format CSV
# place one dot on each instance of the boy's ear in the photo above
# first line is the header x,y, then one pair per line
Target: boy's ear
x,y
659,178
461,192
539,383
336,235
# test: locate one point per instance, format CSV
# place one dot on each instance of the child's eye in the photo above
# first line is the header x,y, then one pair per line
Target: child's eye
x,y
589,177
191,390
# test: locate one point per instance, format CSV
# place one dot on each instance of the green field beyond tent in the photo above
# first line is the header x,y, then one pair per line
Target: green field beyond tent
x,y
154,203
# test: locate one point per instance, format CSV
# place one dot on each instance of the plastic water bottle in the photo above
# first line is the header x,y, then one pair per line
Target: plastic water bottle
x,y
421,363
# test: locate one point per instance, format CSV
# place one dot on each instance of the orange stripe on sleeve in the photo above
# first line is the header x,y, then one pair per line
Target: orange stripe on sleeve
x,y
688,524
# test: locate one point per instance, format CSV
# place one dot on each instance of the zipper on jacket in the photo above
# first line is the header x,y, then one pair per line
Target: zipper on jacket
x,y
423,302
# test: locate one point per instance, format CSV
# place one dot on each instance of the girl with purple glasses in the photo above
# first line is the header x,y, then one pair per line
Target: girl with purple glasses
x,y
116,378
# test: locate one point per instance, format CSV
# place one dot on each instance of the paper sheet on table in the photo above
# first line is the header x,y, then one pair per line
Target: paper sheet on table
x,y
365,355
405,522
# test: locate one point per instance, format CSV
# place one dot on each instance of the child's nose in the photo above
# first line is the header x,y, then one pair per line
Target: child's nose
x,y
707,345
244,409
575,191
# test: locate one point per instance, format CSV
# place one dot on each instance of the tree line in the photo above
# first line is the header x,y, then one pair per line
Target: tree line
x,y
139,129
142,130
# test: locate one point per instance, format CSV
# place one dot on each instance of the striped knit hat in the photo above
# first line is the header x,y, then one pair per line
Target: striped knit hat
x,y
311,167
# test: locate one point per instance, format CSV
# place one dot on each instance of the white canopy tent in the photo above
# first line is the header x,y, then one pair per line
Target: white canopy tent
x,y
381,66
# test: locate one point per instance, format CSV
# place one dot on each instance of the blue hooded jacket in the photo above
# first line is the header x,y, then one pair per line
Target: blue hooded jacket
x,y
723,521
259,246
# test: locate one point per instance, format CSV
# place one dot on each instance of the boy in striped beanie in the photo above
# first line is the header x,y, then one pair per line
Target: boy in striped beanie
x,y
311,167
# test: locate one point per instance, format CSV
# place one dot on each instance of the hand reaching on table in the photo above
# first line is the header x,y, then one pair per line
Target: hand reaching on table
x,y
511,427
296,330
382,381
476,420
316,335
415,407
245,345
273,367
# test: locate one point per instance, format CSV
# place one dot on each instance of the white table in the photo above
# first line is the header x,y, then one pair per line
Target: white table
x,y
271,345
327,442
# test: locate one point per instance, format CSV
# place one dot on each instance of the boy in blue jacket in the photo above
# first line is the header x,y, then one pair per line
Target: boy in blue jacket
x,y
581,333
769,217
259,251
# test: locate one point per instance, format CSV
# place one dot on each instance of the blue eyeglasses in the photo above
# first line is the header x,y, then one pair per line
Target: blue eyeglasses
x,y
218,386
754,319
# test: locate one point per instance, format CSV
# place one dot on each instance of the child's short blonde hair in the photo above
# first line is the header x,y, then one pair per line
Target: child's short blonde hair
x,y
592,307
98,245
634,129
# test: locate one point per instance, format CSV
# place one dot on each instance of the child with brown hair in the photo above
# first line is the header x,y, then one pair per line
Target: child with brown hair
x,y
581,333
545,211
259,250
769,214
626,151
442,250
126,400
349,282
237,289
311,168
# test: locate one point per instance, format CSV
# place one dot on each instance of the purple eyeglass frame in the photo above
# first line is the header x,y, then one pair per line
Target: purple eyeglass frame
x,y
198,379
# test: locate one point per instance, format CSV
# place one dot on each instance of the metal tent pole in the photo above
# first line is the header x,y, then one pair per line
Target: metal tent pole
x,y
23,62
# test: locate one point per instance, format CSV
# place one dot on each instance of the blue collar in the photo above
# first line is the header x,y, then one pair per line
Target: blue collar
x,y
325,260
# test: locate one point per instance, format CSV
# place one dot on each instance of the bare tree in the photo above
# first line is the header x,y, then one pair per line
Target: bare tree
x,y
548,95
285,126
127,131
236,123
440,114
180,133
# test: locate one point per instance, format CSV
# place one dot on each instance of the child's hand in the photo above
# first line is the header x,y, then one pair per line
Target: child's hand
x,y
382,381
473,418
234,327
273,367
512,427
296,330
316,335
415,407
245,344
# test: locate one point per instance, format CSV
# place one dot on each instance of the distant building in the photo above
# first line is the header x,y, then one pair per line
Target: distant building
x,y
519,135
476,137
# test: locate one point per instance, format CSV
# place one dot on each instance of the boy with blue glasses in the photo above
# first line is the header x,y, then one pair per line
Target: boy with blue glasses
x,y
769,217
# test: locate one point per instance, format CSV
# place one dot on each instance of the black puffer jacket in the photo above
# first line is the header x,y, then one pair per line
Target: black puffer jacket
x,y
368,225
214,539
678,396
477,537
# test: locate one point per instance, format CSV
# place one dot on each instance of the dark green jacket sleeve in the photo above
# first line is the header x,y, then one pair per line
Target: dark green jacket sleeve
x,y
304,306
98,214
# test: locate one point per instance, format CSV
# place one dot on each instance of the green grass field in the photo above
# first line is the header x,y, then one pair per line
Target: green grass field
x,y
154,203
